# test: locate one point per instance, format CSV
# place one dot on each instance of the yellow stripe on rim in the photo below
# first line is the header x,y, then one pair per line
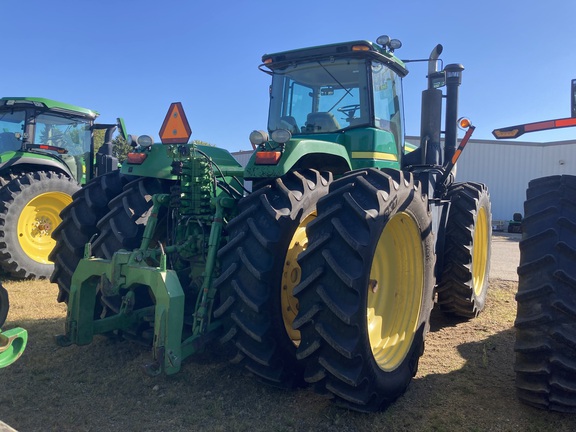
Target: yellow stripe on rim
x,y
480,251
374,155
37,222
395,291
291,274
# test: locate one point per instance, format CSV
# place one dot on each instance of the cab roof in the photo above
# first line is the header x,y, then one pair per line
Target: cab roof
x,y
48,104
358,49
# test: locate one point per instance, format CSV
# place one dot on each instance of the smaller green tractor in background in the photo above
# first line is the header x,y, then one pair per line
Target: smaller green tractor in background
x,y
46,153
515,224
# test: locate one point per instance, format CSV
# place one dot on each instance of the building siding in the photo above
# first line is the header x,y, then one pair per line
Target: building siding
x,y
507,168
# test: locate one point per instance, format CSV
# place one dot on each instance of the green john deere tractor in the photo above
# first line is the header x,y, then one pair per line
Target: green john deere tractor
x,y
46,154
327,271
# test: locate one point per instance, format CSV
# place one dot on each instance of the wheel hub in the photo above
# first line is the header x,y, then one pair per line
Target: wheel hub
x,y
395,291
36,223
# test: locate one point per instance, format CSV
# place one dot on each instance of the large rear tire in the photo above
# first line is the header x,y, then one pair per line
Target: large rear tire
x,y
78,226
468,243
30,207
123,226
259,272
546,316
367,288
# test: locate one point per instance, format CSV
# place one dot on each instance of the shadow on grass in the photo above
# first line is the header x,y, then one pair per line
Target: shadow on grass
x,y
101,386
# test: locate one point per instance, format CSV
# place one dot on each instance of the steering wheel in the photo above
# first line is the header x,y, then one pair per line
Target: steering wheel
x,y
349,110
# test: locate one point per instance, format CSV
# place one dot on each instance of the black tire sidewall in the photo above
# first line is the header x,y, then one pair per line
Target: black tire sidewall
x,y
397,380
333,294
23,192
455,289
261,233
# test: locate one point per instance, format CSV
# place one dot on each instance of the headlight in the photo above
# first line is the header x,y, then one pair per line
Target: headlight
x,y
145,141
281,136
142,140
258,137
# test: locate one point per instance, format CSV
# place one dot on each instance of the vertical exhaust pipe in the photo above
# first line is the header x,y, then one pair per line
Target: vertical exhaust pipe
x,y
431,117
453,81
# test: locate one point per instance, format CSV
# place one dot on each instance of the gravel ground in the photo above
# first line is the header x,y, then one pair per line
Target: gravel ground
x,y
505,256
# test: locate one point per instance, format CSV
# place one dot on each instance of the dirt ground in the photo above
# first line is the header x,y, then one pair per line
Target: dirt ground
x,y
465,380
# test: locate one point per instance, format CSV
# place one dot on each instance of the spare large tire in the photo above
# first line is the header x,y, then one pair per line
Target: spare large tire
x,y
545,323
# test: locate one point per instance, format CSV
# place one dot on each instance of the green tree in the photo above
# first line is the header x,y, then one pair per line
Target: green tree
x,y
98,139
120,148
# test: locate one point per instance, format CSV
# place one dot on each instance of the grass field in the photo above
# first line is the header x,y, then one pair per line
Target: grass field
x,y
465,383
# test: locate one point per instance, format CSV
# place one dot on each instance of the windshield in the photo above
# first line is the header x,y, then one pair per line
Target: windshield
x,y
320,97
71,134
11,123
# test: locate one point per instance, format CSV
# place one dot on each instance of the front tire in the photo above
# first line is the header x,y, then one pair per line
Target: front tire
x,y
29,212
259,271
468,243
367,288
546,315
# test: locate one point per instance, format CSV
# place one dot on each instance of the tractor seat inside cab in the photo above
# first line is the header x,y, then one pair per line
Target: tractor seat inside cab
x,y
320,122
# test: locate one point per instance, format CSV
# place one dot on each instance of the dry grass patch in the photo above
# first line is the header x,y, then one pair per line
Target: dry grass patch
x,y
465,383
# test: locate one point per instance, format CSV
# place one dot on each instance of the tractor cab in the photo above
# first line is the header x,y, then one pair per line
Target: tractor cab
x,y
39,125
349,94
37,130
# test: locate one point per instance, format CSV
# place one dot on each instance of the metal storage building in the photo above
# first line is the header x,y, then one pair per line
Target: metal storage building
x,y
507,167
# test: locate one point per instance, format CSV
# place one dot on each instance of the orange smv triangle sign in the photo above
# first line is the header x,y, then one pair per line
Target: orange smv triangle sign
x,y
175,129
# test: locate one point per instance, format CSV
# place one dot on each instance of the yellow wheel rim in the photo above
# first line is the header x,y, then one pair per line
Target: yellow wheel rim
x,y
395,291
37,222
480,251
291,275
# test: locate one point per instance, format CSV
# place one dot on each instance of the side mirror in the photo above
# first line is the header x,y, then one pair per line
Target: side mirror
x,y
122,128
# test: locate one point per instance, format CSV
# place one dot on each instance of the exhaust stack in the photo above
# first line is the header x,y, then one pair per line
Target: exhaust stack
x,y
431,117
453,81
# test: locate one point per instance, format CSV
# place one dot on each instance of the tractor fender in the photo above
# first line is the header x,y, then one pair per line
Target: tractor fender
x,y
303,154
28,163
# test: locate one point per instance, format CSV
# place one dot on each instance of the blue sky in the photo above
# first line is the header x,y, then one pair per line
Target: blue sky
x,y
133,58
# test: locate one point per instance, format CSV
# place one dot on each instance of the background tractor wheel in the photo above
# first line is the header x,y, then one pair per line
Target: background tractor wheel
x,y
367,288
466,265
30,207
78,226
546,317
4,305
259,271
